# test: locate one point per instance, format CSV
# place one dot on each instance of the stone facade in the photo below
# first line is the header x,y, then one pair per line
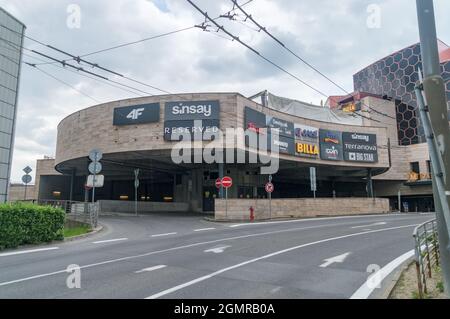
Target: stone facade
x,y
298,208
17,193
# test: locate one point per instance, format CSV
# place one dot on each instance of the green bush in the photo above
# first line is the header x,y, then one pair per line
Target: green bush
x,y
22,224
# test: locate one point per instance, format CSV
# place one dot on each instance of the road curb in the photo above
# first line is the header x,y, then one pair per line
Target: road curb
x,y
391,281
91,233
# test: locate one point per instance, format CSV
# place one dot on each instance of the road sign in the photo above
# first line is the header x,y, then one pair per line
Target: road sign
x,y
27,170
95,168
227,182
99,181
26,179
312,176
218,183
95,155
269,188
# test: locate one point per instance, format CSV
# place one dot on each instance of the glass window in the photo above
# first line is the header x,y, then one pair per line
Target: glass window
x,y
3,171
6,125
6,110
5,140
415,167
4,155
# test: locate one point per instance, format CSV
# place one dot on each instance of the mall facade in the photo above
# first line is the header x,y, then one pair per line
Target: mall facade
x,y
379,154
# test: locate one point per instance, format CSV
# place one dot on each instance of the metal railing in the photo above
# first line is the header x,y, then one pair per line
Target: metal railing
x,y
83,212
426,253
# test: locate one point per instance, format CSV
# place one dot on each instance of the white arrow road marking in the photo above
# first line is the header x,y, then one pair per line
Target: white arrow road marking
x,y
109,240
150,269
27,251
217,250
374,224
332,260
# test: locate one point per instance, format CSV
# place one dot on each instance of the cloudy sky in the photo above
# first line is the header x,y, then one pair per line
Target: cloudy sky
x,y
338,37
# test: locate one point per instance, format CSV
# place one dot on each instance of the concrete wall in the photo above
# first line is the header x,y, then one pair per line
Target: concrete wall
x,y
17,192
111,206
238,209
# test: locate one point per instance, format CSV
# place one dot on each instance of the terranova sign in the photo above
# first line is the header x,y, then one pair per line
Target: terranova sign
x,y
331,145
136,114
199,119
360,147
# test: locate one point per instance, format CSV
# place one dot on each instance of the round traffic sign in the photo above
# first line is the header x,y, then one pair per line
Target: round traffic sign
x,y
218,183
26,179
269,187
95,167
227,182
95,155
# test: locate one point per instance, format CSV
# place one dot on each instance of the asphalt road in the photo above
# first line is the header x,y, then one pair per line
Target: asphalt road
x,y
179,256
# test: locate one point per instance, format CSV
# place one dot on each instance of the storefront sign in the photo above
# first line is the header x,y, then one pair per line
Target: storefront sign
x,y
136,114
284,144
331,145
360,147
254,120
306,149
306,133
199,120
192,110
283,127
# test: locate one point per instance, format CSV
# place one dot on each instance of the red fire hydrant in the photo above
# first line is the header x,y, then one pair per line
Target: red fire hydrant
x,y
252,213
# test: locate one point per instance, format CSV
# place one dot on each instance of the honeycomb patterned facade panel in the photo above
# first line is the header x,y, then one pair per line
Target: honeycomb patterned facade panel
x,y
395,77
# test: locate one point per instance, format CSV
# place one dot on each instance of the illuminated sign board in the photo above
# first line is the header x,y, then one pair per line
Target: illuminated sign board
x,y
283,127
306,149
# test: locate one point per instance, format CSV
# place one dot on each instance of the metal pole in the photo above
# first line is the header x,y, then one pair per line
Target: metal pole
x,y
270,199
25,195
399,201
438,134
226,203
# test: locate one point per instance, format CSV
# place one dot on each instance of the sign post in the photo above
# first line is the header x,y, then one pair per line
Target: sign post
x,y
227,182
136,186
26,179
312,176
269,189
95,168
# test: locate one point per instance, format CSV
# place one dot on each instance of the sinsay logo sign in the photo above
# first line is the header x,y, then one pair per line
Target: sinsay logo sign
x,y
192,110
136,114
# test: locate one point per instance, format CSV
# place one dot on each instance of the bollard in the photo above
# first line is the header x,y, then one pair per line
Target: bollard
x,y
252,213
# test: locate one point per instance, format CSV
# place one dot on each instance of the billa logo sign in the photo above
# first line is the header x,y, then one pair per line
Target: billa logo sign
x,y
306,149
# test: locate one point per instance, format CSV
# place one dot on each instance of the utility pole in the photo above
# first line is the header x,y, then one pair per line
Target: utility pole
x,y
433,110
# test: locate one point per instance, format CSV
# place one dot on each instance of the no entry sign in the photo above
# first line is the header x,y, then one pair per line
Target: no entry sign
x,y
218,183
269,187
227,182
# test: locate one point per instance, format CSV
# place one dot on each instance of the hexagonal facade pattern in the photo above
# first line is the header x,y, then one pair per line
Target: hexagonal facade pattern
x,y
394,77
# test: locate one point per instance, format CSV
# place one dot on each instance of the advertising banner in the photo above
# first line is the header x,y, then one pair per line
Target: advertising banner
x,y
331,148
286,145
360,147
136,114
306,141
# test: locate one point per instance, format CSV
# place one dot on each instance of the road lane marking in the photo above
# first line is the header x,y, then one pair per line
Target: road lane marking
x,y
27,251
106,262
336,259
374,224
150,269
109,240
377,278
327,218
216,273
161,235
204,229
217,250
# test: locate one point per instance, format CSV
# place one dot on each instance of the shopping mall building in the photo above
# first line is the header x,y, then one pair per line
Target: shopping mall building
x,y
379,153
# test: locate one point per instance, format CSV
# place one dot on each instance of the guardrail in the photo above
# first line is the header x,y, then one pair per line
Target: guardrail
x,y
426,253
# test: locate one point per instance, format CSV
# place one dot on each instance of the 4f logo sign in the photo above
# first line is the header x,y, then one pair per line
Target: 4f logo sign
x,y
135,114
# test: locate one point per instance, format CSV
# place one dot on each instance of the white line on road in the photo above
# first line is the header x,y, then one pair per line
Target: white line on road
x,y
150,269
374,224
27,251
377,278
203,229
106,262
166,234
109,240
214,274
